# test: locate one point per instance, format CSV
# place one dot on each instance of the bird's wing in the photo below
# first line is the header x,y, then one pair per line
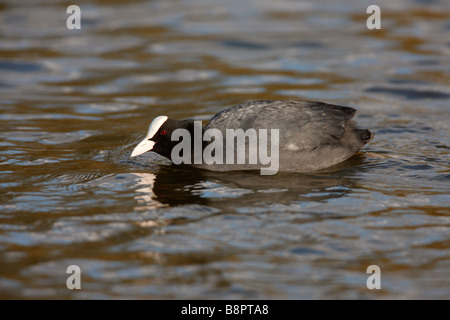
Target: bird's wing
x,y
303,125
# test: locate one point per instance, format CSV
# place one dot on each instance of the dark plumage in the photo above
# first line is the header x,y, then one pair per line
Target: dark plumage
x,y
312,135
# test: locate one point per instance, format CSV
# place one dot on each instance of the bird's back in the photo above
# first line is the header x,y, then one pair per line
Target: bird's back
x,y
312,135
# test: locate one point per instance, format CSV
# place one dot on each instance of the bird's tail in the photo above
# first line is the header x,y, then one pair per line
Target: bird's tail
x,y
365,135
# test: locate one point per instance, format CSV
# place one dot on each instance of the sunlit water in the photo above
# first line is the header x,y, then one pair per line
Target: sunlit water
x,y
74,103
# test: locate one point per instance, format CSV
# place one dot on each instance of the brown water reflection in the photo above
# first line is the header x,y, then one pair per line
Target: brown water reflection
x,y
74,103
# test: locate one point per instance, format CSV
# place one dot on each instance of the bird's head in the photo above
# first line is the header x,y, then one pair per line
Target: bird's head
x,y
158,137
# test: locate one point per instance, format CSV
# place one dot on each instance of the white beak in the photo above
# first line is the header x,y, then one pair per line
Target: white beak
x,y
144,146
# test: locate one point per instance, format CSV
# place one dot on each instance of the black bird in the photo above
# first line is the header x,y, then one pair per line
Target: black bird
x,y
312,135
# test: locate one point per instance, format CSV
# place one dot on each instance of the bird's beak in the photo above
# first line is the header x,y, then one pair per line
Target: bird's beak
x,y
147,144
144,146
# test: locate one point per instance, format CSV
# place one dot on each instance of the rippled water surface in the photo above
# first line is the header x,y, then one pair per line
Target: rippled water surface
x,y
74,103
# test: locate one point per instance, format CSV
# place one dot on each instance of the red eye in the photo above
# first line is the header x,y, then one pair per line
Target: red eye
x,y
163,131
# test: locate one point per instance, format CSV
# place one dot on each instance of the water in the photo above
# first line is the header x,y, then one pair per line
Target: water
x,y
74,103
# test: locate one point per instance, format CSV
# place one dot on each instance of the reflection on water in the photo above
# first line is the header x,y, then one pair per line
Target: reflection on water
x,y
144,194
180,186
75,103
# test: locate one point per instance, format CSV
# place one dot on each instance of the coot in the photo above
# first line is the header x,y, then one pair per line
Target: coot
x,y
283,135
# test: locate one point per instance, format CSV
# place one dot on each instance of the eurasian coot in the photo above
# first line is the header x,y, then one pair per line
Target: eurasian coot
x,y
290,135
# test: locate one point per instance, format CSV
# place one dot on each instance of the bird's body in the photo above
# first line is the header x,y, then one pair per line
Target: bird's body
x,y
312,135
